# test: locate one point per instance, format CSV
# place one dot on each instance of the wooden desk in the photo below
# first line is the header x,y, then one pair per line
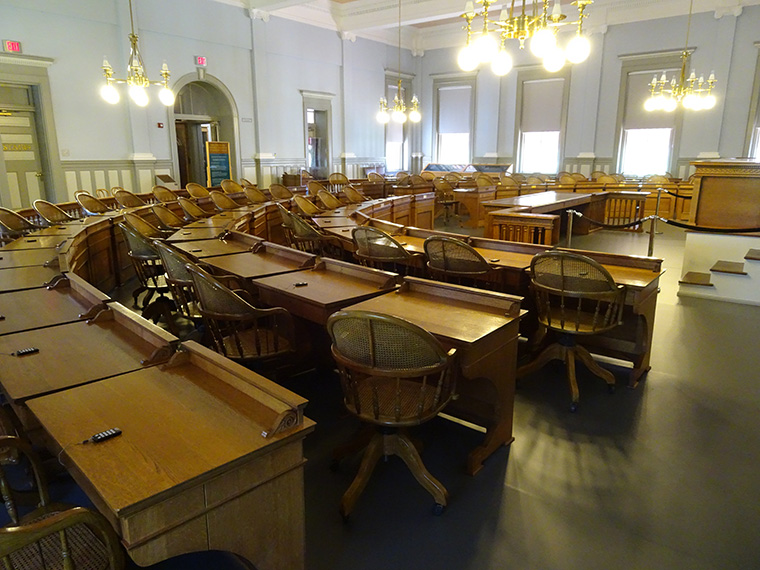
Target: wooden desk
x,y
221,221
71,300
473,200
34,242
19,278
225,473
330,286
195,234
27,257
267,260
483,327
201,249
334,222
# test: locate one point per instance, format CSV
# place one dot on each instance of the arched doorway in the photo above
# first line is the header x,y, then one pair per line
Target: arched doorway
x,y
203,112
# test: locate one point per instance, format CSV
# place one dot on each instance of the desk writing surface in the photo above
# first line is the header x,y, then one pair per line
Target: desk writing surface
x,y
70,354
201,249
541,199
57,230
334,222
34,242
249,265
220,221
193,234
18,278
27,257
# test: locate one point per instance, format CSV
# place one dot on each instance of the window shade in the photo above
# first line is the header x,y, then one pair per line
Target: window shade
x,y
542,105
454,104
636,117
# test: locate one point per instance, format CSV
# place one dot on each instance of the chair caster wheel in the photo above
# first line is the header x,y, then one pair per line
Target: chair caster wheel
x,y
574,407
438,509
611,388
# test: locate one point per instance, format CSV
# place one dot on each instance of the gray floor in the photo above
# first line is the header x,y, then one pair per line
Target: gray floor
x,y
664,476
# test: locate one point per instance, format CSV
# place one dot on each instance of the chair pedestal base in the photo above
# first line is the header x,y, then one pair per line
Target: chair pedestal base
x,y
568,354
395,443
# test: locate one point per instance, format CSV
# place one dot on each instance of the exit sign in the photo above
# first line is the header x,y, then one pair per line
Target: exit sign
x,y
12,46
200,60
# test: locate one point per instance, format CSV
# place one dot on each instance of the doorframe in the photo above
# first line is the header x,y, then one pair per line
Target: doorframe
x,y
319,101
32,71
235,159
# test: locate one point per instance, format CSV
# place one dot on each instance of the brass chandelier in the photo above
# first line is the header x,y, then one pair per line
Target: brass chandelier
x,y
532,21
692,93
137,80
398,111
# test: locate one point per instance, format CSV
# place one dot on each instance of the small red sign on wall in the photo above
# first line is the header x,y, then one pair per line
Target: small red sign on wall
x,y
200,60
12,46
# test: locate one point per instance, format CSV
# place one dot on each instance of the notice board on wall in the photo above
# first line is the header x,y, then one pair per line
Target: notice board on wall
x,y
217,162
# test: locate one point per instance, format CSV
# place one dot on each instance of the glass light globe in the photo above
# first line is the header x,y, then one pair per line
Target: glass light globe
x,y
166,96
138,95
554,60
415,116
691,101
468,58
578,49
486,47
109,93
542,42
382,117
650,104
398,116
670,105
709,102
502,63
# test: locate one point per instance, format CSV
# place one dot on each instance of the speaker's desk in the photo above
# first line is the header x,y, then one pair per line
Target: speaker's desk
x,y
483,327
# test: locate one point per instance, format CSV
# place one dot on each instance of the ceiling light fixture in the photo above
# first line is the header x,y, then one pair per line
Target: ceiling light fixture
x,y
692,93
136,79
398,112
535,23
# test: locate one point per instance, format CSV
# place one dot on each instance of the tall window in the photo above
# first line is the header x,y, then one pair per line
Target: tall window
x,y
646,145
454,124
752,139
395,137
541,114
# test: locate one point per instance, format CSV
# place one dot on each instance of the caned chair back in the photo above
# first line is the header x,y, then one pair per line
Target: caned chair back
x,y
402,178
103,193
567,179
144,258
597,173
313,187
91,205
240,330
453,177
51,213
519,177
427,175
244,182
483,180
53,535
254,195
393,373
607,179
179,279
142,226
163,194
575,294
192,210
230,186
444,189
578,176
417,180
353,195
507,180
196,190
167,219
306,206
375,177
13,224
375,247
328,200
280,192
657,179
127,199
306,237
453,257
338,178
534,180
222,201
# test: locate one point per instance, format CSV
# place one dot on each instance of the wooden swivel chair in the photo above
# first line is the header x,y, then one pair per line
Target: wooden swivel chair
x,y
444,197
13,225
375,177
231,187
309,238
53,535
280,192
313,187
394,375
127,199
402,178
574,296
239,330
91,205
306,206
196,190
450,259
254,195
337,181
328,200
222,201
150,275
353,195
378,249
179,280
167,220
163,194
192,210
145,228
51,213
417,180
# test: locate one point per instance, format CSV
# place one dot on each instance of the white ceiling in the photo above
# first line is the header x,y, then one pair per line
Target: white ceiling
x,y
431,24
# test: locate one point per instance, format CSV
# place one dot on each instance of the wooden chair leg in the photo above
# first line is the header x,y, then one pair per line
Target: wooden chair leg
x,y
552,352
371,455
571,380
402,446
593,365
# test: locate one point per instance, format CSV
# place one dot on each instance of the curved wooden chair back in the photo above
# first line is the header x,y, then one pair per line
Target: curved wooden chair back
x,y
103,193
222,201
328,200
417,180
306,206
534,181
507,180
196,190
192,210
578,176
338,178
378,249
313,187
567,179
127,199
91,205
484,180
142,226
13,224
244,182
167,219
375,177
231,187
179,280
427,175
51,213
607,179
280,192
146,263
254,195
451,257
402,178
163,194
353,195
519,177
